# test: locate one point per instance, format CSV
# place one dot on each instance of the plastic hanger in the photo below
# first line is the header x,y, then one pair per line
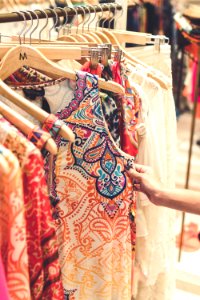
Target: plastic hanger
x,y
24,125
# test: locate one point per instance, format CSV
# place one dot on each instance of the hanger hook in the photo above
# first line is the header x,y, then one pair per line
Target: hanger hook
x,y
82,22
24,27
113,18
35,28
85,20
69,25
76,14
120,15
104,21
29,28
89,15
54,24
95,13
64,22
45,25
76,11
101,17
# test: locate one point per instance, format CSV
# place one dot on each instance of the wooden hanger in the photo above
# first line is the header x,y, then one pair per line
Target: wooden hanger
x,y
111,38
32,109
86,35
77,37
14,59
164,83
24,125
99,37
108,36
22,55
59,47
136,37
49,51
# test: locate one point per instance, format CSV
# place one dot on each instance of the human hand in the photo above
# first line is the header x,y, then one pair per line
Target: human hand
x,y
145,181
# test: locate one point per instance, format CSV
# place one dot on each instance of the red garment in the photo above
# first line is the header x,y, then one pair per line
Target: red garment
x,y
87,68
116,72
42,248
42,245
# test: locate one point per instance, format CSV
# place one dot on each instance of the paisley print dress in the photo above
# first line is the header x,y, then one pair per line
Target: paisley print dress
x,y
94,202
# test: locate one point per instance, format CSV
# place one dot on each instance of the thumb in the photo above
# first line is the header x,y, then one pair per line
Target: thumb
x,y
134,174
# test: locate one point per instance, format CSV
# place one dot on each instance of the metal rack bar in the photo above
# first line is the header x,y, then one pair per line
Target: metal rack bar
x,y
15,17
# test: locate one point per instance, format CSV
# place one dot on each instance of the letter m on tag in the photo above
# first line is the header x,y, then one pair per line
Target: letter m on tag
x,y
22,56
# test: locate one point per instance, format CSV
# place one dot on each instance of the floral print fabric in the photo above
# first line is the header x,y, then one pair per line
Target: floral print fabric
x,y
93,199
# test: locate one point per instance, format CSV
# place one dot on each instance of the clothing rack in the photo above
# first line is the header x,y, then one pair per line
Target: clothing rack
x,y
16,17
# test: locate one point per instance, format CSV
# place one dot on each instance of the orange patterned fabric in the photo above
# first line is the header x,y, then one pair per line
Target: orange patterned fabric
x,y
13,243
94,203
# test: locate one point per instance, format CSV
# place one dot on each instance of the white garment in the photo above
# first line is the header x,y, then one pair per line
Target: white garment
x,y
157,59
155,244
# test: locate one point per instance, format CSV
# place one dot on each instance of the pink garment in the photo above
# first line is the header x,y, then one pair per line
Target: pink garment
x,y
3,284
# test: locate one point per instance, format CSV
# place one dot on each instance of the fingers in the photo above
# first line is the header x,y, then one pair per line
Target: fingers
x,y
134,174
141,168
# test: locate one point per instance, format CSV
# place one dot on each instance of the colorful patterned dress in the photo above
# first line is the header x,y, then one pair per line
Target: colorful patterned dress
x,y
94,203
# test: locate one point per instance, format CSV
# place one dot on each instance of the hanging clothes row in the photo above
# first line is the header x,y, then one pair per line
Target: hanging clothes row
x,y
96,108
